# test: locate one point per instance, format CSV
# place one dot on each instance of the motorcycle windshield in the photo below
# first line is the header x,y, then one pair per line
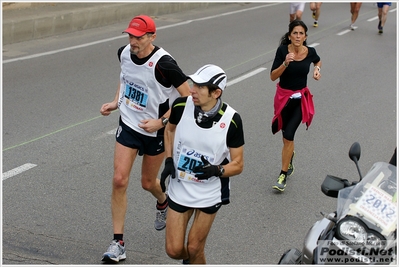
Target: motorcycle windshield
x,y
373,199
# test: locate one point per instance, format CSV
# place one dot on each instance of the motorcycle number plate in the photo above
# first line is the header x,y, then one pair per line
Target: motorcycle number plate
x,y
379,206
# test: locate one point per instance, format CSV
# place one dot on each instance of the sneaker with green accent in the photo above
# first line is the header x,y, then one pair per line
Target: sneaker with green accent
x,y
281,183
291,168
315,24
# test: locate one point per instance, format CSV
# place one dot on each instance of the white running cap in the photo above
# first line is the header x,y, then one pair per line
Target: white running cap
x,y
210,74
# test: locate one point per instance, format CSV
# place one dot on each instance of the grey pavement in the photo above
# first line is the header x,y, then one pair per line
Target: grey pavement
x,y
58,212
29,21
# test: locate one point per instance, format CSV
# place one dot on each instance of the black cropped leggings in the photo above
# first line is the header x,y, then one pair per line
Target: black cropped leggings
x,y
292,117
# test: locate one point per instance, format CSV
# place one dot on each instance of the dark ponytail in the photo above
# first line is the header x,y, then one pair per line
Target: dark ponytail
x,y
284,40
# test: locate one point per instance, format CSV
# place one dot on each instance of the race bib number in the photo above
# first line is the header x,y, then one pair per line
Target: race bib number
x,y
188,160
377,204
136,97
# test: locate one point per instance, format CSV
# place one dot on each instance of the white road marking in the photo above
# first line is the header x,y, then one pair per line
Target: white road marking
x,y
18,170
373,18
346,31
246,76
314,44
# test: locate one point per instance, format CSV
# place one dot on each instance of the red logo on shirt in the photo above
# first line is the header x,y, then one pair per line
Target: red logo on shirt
x,y
222,125
150,64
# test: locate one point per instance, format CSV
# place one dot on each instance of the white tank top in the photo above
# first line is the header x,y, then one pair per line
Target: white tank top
x,y
192,141
140,93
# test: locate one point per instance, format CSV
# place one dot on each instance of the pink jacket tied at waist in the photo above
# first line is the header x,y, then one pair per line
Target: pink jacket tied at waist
x,y
280,99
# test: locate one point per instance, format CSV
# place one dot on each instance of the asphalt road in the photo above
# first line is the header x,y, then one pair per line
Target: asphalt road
x,y
58,149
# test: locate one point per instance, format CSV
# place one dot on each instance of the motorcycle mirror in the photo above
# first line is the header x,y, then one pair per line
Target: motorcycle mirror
x,y
354,155
354,152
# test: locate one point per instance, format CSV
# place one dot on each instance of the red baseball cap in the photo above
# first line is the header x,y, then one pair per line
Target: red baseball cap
x,y
140,25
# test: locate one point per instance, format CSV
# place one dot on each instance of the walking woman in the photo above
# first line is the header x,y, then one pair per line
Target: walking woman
x,y
293,101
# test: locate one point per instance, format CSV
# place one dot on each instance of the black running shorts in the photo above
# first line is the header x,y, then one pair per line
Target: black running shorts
x,y
148,145
179,208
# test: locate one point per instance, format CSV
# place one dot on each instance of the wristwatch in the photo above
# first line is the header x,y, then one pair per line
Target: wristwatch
x,y
164,121
221,170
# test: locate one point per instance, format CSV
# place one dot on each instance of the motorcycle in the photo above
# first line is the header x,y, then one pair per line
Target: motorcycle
x,y
363,228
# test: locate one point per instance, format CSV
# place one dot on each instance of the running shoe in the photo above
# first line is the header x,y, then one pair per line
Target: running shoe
x,y
353,27
160,220
315,24
380,30
115,252
186,261
281,183
314,15
291,168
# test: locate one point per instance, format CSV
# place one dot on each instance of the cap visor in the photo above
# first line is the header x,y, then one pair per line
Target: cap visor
x,y
197,79
134,32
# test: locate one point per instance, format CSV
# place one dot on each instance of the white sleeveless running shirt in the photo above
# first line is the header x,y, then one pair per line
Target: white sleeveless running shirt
x,y
140,93
192,141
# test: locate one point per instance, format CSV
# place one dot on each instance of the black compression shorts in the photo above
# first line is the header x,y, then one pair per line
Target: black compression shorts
x,y
291,116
